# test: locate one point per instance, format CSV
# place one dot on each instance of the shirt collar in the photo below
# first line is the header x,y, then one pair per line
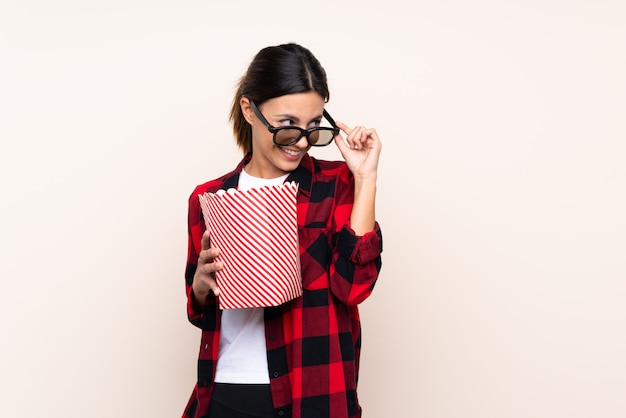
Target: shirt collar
x,y
301,175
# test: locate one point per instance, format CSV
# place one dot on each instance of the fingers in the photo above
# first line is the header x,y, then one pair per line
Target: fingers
x,y
351,136
206,259
203,284
207,263
211,267
206,240
204,279
214,287
206,284
358,137
341,144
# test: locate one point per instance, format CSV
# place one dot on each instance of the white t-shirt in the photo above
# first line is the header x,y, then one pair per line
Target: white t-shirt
x,y
242,356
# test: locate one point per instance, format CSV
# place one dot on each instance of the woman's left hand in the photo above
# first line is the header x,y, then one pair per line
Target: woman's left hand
x,y
361,150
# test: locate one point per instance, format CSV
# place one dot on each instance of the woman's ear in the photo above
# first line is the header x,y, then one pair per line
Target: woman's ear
x,y
246,109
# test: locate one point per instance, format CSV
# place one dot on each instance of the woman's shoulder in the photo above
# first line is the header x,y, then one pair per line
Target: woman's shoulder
x,y
227,180
214,185
210,186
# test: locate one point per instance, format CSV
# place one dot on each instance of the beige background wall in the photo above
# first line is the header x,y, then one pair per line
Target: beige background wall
x,y
501,197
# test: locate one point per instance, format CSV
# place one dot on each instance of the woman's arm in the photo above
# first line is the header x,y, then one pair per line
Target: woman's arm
x,y
358,241
361,150
201,267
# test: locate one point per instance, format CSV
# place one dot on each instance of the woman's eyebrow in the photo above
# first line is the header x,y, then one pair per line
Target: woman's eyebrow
x,y
295,118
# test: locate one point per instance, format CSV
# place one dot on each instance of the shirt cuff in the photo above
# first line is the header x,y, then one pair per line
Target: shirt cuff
x,y
194,314
360,249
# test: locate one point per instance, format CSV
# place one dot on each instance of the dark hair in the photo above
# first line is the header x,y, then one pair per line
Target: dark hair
x,y
276,71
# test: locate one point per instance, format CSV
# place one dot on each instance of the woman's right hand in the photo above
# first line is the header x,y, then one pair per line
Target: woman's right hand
x,y
204,278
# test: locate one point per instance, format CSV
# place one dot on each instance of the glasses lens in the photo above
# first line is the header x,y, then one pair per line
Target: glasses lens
x,y
321,137
314,137
317,137
287,136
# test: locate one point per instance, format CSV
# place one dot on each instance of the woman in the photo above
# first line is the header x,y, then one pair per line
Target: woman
x,y
299,359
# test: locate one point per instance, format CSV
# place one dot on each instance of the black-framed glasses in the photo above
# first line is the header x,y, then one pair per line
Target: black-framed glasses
x,y
283,136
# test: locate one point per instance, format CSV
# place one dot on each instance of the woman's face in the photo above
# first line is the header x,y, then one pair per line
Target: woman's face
x,y
303,110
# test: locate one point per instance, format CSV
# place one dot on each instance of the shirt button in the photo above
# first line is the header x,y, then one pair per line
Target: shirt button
x,y
206,346
276,374
272,336
281,413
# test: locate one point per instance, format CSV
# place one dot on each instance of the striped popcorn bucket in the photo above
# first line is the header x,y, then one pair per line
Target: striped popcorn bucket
x,y
256,231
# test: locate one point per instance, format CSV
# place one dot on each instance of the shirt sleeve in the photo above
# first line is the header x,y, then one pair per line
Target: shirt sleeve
x,y
356,260
360,250
195,229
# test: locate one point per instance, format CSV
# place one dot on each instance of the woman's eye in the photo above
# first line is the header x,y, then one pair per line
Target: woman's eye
x,y
315,124
286,122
